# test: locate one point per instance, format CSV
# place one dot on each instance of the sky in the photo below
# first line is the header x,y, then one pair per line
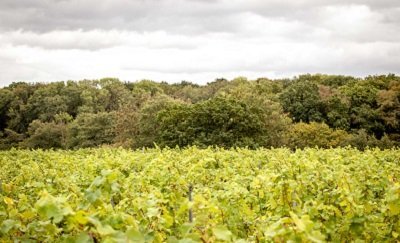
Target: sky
x,y
196,40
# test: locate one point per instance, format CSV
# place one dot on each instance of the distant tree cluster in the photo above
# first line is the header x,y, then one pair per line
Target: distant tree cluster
x,y
306,111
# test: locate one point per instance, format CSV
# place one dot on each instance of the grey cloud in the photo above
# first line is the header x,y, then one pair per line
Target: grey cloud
x,y
74,38
95,40
302,20
191,16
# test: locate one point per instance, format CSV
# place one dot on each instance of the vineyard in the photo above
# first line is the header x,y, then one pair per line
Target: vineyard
x,y
200,195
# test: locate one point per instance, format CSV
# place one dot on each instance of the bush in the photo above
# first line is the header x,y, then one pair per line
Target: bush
x,y
301,135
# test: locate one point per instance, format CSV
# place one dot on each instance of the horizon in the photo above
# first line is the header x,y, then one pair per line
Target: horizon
x,y
194,83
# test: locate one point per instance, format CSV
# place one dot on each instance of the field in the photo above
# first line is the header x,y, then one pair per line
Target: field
x,y
194,195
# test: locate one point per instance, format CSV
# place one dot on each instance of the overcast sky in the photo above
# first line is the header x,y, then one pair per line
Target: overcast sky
x,y
196,40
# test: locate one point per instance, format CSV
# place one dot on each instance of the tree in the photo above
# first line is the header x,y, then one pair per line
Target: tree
x,y
93,101
147,86
260,94
10,139
91,130
364,112
149,126
71,93
48,135
119,95
389,107
6,97
336,81
127,126
44,135
223,121
18,113
337,111
301,99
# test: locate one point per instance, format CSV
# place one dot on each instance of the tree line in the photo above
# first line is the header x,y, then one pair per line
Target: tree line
x,y
305,111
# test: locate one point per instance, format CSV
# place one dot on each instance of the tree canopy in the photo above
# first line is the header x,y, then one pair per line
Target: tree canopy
x,y
308,110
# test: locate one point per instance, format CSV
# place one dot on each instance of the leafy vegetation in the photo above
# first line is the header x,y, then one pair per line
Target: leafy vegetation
x,y
360,112
237,195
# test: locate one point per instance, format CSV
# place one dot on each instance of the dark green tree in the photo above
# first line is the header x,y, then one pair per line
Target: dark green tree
x,y
364,112
91,130
6,97
149,127
301,99
48,135
46,102
222,121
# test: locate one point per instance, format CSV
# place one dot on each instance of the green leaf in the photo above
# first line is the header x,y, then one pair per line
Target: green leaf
x,y
222,233
299,224
7,225
8,201
83,238
135,235
152,212
48,207
80,217
104,230
316,237
93,196
394,209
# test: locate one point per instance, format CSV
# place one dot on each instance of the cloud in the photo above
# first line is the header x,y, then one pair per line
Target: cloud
x,y
197,40
168,15
94,39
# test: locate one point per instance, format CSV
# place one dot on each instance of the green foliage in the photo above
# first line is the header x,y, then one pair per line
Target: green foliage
x,y
223,121
91,130
149,127
118,95
336,80
302,135
127,126
6,97
93,100
337,112
259,94
46,102
147,87
10,139
48,135
45,135
18,118
301,99
363,106
239,195
389,106
29,112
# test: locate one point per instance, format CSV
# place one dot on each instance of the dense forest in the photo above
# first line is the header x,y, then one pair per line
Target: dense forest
x,y
305,111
